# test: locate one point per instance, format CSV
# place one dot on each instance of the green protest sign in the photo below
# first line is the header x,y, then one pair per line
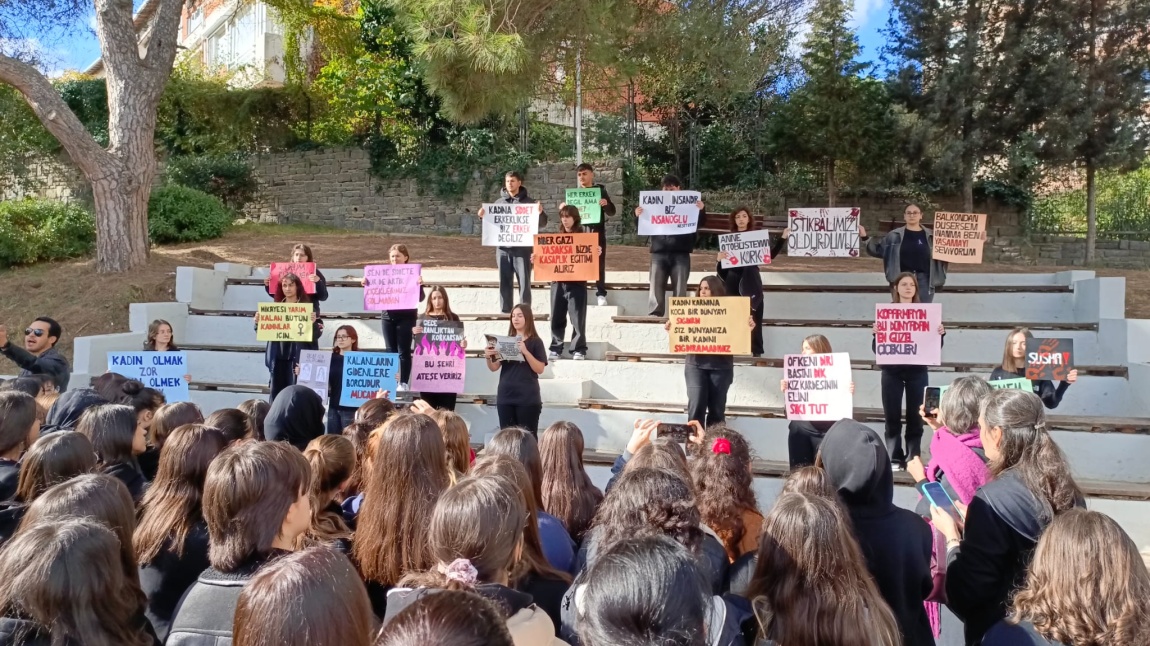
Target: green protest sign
x,y
587,201
1003,384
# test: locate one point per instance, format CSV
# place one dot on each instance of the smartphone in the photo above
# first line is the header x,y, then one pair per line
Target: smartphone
x,y
675,432
939,498
931,401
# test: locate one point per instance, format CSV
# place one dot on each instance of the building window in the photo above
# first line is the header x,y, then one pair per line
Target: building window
x,y
196,19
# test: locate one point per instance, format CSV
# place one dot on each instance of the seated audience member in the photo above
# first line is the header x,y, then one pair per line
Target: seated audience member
x,y
257,411
568,493
474,538
118,437
28,385
987,557
456,438
332,460
66,411
171,539
168,418
1086,587
296,417
62,582
256,505
374,412
39,355
358,434
52,459
450,617
19,428
721,474
233,423
310,598
896,542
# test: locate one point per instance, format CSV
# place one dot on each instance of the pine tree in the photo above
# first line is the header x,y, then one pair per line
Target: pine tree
x,y
836,115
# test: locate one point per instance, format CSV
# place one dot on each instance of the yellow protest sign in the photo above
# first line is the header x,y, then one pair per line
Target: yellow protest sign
x,y
710,325
284,322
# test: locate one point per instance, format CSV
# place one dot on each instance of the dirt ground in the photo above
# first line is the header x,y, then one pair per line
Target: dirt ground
x,y
86,303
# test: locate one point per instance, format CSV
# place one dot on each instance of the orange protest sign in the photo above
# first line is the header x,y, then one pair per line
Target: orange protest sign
x,y
959,237
566,257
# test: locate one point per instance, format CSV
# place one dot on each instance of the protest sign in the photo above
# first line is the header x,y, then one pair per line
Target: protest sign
x,y
710,325
568,257
391,287
439,363
365,374
824,233
314,366
587,201
284,322
958,237
510,225
1002,384
506,347
302,269
906,334
164,371
1050,359
745,249
818,386
668,213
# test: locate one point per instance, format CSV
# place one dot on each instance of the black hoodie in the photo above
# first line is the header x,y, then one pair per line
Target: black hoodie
x,y
896,543
66,410
295,417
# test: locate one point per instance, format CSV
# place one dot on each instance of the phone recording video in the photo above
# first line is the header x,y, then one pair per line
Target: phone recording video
x,y
931,401
675,432
939,498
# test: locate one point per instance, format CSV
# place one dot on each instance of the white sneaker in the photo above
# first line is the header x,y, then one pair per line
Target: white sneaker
x,y
553,356
403,387
578,356
602,301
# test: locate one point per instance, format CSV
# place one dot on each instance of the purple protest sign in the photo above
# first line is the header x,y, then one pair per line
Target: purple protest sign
x,y
391,287
438,364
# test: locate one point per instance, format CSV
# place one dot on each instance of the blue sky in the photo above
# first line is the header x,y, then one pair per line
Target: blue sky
x,y
80,49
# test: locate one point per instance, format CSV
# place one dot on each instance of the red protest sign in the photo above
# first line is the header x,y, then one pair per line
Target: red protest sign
x,y
302,269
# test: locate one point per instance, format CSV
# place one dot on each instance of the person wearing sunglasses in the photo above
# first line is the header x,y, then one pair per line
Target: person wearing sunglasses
x,y
39,355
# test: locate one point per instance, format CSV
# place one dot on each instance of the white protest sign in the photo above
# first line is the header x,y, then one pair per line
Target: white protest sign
x,y
506,347
745,248
668,213
823,233
818,387
510,225
314,369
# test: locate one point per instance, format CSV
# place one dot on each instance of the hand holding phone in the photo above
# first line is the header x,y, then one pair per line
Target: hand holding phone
x,y
675,432
938,497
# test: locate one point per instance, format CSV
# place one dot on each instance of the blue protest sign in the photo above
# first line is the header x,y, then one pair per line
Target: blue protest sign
x,y
164,371
365,373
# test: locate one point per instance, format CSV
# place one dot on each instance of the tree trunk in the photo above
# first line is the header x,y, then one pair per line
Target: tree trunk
x,y
121,202
967,183
1091,213
832,190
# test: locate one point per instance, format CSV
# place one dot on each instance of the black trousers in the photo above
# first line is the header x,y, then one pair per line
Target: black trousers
x,y
757,333
514,263
803,440
440,401
523,416
397,336
897,380
282,376
601,284
707,393
569,299
338,418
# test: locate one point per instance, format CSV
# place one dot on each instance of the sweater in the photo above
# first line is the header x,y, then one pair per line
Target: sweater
x,y
167,577
1050,395
50,363
204,617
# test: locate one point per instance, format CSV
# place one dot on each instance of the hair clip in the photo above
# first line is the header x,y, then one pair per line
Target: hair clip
x,y
460,570
721,445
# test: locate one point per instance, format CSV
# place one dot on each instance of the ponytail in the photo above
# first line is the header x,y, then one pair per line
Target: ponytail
x,y
332,459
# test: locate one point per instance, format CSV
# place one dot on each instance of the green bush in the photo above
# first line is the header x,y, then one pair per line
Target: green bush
x,y
182,214
228,177
36,230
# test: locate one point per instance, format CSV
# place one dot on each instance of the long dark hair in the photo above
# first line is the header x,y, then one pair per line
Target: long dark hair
x,y
66,577
232,422
715,284
257,411
751,224
1028,450
456,438
17,417
408,474
448,314
568,493
520,444
111,429
52,459
573,213
721,474
528,322
646,502
308,598
450,617
173,503
333,460
170,417
301,295
153,330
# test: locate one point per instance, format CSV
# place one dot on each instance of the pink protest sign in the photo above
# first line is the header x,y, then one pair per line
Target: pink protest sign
x,y
906,334
439,362
391,287
302,269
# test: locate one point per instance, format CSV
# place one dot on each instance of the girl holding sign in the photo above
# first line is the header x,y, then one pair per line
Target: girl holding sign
x,y
302,253
398,325
514,263
569,299
282,357
805,436
339,417
162,339
747,280
439,309
896,380
518,399
1014,366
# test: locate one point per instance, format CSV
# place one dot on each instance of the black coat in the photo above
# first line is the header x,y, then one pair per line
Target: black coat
x,y
205,616
66,410
11,513
896,543
547,593
9,477
295,417
167,577
129,473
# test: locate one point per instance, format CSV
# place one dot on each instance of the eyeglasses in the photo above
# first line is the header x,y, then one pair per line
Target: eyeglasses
x,y
37,332
342,337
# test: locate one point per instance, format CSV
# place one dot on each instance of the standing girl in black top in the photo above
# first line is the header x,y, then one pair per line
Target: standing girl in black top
x,y
709,376
569,298
518,399
897,379
398,325
439,309
1014,366
282,357
339,417
747,280
302,253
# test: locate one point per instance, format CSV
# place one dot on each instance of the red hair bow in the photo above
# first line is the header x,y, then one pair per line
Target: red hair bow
x,y
721,445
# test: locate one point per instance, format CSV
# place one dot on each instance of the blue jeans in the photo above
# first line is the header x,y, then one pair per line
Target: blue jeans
x,y
925,291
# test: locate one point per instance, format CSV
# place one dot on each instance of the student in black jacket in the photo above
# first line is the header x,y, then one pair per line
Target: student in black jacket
x,y
988,554
586,174
670,258
118,437
39,355
19,428
68,408
895,542
514,263
748,280
1014,366
171,540
438,309
256,505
